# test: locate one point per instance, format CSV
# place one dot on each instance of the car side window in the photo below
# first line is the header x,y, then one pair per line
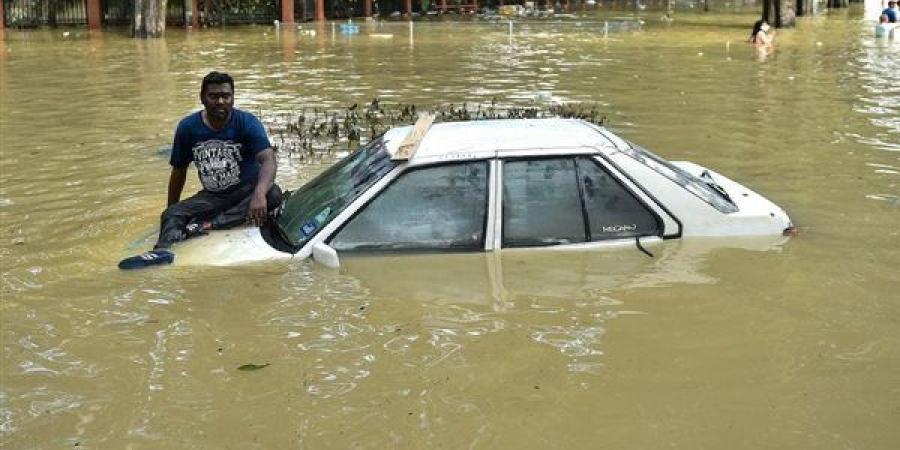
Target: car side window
x,y
541,204
613,212
441,207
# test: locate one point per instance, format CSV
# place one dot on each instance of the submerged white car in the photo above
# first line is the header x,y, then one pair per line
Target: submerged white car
x,y
495,185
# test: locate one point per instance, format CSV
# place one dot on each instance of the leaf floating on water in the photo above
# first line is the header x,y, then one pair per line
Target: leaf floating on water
x,y
249,367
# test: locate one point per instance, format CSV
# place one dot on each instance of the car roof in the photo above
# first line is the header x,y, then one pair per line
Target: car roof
x,y
509,137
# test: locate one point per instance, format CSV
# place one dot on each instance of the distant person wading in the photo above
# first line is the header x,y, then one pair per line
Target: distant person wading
x,y
236,166
884,29
892,11
760,36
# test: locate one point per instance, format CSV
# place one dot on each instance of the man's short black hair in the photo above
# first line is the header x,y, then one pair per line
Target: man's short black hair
x,y
216,78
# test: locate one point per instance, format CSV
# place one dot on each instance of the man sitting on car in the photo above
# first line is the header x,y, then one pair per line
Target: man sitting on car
x,y
236,166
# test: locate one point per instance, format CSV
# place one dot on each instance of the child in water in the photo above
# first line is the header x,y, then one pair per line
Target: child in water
x,y
760,36
884,28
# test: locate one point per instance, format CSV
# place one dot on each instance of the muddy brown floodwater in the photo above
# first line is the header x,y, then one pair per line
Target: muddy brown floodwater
x,y
708,345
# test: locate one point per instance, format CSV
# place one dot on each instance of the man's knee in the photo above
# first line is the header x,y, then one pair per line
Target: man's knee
x,y
176,211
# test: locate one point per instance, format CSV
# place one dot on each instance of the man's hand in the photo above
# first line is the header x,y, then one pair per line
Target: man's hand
x,y
258,210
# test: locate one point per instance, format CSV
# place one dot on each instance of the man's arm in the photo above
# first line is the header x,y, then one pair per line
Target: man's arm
x,y
176,184
258,205
179,160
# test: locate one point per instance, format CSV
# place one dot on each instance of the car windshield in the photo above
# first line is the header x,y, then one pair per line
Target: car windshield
x,y
708,191
314,205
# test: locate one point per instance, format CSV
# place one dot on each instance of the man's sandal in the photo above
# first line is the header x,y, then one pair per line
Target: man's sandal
x,y
147,259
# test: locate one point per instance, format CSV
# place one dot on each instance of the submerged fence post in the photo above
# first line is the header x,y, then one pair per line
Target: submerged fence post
x,y
605,28
94,15
287,13
320,10
195,15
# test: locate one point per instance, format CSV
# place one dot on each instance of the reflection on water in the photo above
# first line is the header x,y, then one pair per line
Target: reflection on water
x,y
482,293
709,344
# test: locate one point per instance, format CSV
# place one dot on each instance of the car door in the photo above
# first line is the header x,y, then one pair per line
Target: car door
x,y
433,208
569,201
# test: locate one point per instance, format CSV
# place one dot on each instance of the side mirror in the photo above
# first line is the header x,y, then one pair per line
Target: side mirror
x,y
650,241
325,255
643,242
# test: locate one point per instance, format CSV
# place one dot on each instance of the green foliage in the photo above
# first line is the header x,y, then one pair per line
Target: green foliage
x,y
315,131
222,12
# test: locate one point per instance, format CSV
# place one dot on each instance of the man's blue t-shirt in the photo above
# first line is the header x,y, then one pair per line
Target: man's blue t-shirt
x,y
892,15
224,158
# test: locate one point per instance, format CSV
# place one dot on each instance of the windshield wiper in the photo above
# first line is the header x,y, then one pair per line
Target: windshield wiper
x,y
708,179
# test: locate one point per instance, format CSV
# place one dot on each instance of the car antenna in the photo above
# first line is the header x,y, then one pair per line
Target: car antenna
x,y
410,144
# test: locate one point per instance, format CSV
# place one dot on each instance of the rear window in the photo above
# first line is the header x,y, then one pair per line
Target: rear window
x,y
566,200
693,184
541,203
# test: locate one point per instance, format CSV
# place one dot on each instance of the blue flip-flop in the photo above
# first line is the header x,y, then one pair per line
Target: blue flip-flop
x,y
147,259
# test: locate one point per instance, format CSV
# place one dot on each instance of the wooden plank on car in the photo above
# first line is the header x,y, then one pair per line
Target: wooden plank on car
x,y
411,143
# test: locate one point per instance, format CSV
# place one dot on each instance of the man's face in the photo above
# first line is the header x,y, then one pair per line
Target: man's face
x,y
218,99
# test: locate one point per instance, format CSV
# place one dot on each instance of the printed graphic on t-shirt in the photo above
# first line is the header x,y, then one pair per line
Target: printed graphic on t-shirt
x,y
218,163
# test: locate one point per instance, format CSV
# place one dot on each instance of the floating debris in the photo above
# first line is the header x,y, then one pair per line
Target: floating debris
x,y
249,367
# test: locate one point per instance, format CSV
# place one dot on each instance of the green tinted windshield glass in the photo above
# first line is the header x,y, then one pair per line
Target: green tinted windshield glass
x,y
312,206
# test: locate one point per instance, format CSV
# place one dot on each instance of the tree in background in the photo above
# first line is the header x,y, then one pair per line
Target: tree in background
x,y
149,19
779,13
